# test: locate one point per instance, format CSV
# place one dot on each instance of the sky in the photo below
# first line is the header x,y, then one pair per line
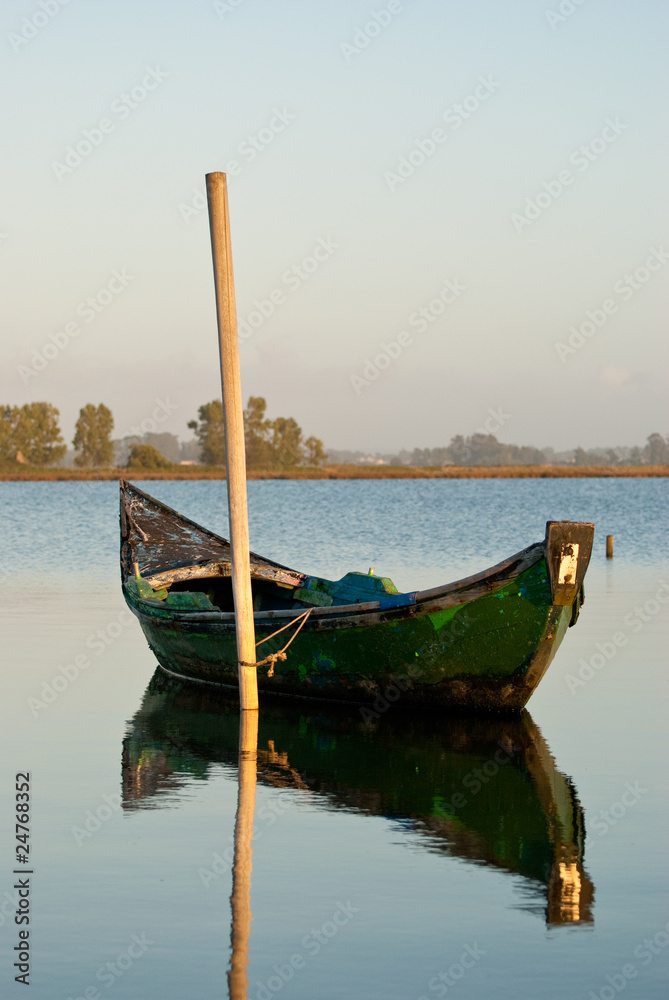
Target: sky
x,y
446,216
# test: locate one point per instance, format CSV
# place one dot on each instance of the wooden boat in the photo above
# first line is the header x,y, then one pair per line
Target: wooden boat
x,y
482,642
483,789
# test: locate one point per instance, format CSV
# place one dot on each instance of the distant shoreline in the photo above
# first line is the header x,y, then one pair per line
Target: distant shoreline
x,y
25,474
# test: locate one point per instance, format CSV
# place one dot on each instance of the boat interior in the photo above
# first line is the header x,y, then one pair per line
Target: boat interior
x,y
213,592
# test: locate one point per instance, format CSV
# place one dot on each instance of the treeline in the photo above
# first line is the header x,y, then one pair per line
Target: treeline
x,y
479,449
31,435
486,450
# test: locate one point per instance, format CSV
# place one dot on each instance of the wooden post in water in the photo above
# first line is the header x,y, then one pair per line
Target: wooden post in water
x,y
240,900
235,455
609,546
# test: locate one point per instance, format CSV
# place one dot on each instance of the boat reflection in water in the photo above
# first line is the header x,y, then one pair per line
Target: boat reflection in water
x,y
482,789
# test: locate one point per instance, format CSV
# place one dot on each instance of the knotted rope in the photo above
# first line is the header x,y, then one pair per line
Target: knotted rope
x,y
281,655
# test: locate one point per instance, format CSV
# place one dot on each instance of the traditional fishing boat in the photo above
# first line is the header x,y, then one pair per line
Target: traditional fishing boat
x,y
483,789
481,642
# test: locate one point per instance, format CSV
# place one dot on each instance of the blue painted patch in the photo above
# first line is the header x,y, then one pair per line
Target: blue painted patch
x,y
396,600
322,662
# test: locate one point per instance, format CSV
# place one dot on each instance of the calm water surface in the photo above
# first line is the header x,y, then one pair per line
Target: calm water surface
x,y
401,857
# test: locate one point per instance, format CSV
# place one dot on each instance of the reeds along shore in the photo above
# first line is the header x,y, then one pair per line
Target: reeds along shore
x,y
28,474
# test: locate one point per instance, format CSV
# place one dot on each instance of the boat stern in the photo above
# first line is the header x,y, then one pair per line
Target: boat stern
x,y
568,548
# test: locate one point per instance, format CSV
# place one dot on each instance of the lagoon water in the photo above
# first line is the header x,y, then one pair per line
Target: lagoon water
x,y
369,879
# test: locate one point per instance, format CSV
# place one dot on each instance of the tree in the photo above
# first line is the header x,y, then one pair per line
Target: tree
x,y
479,449
36,434
459,450
210,433
167,444
658,450
8,418
315,453
145,457
286,442
525,454
436,457
92,436
257,433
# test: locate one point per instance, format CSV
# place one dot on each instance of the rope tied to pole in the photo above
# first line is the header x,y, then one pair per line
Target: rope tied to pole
x,y
272,658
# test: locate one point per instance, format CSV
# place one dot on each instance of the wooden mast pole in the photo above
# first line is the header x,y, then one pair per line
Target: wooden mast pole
x,y
235,455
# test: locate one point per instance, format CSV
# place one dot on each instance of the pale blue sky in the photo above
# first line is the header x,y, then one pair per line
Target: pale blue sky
x,y
345,119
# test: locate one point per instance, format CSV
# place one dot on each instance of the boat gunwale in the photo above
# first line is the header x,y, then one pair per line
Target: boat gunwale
x,y
522,560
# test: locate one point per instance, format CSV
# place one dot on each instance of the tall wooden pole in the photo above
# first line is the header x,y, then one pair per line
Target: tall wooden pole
x,y
235,455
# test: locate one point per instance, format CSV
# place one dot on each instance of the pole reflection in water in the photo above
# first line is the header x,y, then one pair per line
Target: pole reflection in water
x,y
482,789
240,900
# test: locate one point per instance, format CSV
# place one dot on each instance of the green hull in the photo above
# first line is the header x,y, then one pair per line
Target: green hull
x,y
479,653
484,790
483,642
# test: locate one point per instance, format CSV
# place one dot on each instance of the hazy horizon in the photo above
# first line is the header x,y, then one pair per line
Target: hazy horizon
x,y
452,189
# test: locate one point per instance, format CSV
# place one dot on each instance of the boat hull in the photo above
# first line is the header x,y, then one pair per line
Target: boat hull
x,y
483,642
485,652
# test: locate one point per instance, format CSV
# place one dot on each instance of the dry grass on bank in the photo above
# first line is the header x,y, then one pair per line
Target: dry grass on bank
x,y
23,473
